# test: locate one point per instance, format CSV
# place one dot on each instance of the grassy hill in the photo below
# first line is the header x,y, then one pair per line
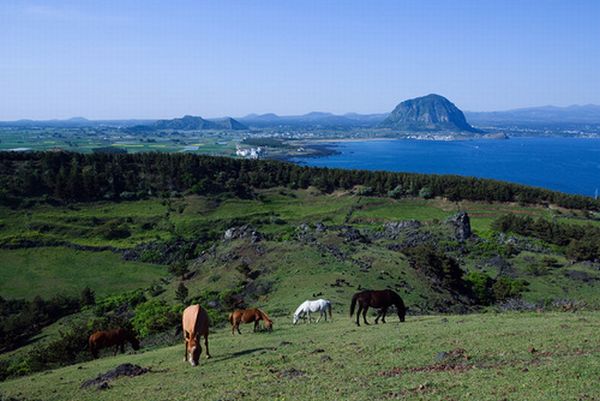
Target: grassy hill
x,y
531,356
275,250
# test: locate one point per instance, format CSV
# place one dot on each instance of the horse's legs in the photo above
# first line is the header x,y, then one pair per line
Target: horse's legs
x,y
237,326
378,316
360,306
206,345
122,347
383,312
255,325
185,353
94,351
365,314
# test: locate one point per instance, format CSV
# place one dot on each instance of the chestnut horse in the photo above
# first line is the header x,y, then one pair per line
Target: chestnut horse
x,y
248,316
381,300
195,324
117,337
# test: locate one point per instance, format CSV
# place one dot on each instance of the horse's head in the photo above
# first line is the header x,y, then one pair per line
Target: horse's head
x,y
296,318
269,325
193,350
135,343
133,340
401,313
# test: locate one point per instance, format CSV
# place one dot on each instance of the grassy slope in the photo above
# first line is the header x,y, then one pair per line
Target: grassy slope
x,y
26,273
253,366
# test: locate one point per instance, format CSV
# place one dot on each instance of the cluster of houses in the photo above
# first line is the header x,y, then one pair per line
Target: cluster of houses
x,y
249,153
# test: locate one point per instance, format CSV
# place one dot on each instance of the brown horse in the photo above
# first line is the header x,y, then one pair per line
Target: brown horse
x,y
248,316
380,300
195,324
117,337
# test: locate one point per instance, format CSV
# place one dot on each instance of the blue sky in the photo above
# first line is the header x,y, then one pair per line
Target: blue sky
x,y
161,59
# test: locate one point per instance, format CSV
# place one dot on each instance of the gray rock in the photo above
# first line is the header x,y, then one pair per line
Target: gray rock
x,y
462,226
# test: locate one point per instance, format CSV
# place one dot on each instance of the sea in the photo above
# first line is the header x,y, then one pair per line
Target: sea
x,y
570,165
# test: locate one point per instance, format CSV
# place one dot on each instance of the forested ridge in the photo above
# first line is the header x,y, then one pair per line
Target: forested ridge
x,y
64,176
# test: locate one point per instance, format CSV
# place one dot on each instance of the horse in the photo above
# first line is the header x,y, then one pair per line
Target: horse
x,y
195,324
381,300
117,337
248,316
320,305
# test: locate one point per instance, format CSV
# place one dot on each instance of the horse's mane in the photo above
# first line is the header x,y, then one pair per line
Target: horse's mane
x,y
299,308
263,314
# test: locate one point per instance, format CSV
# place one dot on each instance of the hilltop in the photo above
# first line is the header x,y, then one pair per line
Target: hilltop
x,y
428,113
192,123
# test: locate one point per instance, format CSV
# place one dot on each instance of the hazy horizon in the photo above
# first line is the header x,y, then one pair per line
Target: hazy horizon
x,y
141,60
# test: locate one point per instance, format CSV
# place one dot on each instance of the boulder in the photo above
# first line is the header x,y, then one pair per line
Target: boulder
x,y
462,226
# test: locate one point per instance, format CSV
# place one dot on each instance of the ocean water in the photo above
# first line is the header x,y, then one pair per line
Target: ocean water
x,y
569,165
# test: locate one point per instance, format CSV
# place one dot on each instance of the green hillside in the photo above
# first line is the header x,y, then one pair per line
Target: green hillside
x,y
235,238
548,356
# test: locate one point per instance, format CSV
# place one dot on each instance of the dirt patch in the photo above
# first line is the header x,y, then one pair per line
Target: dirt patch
x,y
101,382
290,373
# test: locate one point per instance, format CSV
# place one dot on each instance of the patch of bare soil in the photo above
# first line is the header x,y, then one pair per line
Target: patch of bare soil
x,y
101,382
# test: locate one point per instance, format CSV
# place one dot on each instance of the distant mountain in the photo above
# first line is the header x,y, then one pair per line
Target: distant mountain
x,y
428,113
586,114
75,122
192,123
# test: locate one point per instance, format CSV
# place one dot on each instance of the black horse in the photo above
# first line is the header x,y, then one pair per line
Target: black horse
x,y
380,300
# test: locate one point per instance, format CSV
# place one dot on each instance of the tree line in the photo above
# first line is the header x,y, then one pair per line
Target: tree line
x,y
65,176
581,242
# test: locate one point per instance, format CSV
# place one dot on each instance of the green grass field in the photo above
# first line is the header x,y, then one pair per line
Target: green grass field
x,y
26,273
550,356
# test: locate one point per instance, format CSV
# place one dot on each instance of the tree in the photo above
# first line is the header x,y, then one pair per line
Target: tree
x,y
88,296
179,268
181,293
425,193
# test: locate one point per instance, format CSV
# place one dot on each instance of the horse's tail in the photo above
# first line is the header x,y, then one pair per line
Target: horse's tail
x,y
329,309
231,318
353,304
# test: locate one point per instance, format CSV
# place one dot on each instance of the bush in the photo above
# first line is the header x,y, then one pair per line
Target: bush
x,y
88,297
113,229
435,264
124,301
155,316
505,288
397,192
425,193
481,285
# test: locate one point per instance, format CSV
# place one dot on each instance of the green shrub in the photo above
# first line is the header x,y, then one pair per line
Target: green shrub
x,y
127,300
481,285
155,316
506,287
113,229
425,193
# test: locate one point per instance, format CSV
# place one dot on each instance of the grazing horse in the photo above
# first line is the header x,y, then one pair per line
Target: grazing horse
x,y
381,300
195,324
117,337
248,316
320,305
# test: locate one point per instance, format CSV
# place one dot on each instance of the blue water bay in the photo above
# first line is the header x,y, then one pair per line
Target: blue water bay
x,y
569,165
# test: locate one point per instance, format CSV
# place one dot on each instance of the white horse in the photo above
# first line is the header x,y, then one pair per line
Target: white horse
x,y
307,307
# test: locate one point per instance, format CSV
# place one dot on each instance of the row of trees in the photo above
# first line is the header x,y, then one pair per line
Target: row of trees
x,y
20,319
87,177
581,242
